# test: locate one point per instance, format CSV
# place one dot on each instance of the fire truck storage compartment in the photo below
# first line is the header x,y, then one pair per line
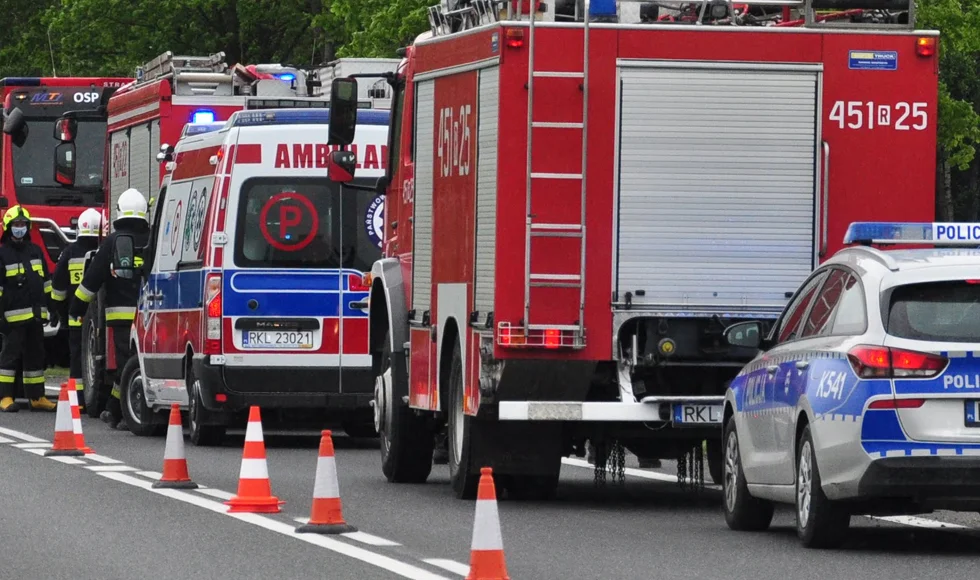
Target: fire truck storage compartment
x,y
488,104
133,161
718,173
425,144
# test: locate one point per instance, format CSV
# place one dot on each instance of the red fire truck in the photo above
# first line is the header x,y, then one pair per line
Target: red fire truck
x,y
576,210
145,119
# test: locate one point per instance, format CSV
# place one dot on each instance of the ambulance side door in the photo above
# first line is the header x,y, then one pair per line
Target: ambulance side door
x,y
164,306
145,309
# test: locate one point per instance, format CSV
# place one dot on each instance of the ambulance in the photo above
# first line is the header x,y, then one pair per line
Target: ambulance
x,y
254,289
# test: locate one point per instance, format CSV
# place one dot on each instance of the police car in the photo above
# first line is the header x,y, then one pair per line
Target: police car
x,y
865,395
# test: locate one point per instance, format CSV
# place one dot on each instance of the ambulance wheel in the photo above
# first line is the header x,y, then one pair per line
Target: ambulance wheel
x,y
461,476
139,417
96,396
201,435
405,439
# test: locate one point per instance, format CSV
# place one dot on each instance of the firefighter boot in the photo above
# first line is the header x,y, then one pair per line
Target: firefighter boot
x,y
7,405
112,416
43,404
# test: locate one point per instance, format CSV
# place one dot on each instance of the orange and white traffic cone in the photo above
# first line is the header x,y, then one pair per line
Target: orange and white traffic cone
x,y
64,431
254,488
487,548
76,417
327,516
175,474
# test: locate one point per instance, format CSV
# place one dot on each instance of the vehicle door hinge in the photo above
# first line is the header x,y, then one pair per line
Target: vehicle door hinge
x,y
219,239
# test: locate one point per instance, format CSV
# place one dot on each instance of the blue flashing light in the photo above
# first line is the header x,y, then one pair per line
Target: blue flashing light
x,y
200,129
602,8
303,117
21,82
286,77
914,233
202,116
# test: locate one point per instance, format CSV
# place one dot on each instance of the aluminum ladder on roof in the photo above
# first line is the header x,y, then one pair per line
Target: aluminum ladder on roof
x,y
537,229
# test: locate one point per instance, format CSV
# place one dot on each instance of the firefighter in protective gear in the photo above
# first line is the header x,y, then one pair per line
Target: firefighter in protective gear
x,y
25,296
67,276
121,294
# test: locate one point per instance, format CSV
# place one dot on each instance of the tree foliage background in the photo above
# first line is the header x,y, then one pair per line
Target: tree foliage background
x,y
112,37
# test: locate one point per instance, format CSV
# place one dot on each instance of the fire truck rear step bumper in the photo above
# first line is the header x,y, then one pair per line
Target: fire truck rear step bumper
x,y
701,410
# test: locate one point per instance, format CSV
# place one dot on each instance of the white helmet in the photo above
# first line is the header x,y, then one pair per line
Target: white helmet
x,y
131,204
90,222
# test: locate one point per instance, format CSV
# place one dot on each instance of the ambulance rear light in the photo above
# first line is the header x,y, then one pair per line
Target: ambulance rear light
x,y
914,233
511,336
202,116
212,301
514,38
882,362
925,45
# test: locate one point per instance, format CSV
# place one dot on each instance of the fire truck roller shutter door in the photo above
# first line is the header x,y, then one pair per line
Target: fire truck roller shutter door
x,y
486,190
702,196
142,158
422,246
154,190
119,170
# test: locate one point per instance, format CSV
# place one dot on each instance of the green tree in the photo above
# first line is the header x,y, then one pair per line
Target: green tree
x,y
376,28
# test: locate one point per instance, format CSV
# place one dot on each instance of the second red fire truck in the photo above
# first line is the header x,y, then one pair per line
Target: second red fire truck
x,y
577,210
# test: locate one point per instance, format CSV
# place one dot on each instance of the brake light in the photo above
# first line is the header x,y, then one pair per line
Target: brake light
x,y
520,337
552,338
212,339
925,46
356,283
897,404
514,37
972,281
885,362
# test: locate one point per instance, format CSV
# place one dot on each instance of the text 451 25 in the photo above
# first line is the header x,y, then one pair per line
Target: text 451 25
x,y
871,115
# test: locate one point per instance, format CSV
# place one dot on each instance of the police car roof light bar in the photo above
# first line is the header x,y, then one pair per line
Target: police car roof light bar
x,y
913,233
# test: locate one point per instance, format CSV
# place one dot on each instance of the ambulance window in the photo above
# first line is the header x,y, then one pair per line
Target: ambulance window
x,y
297,223
947,311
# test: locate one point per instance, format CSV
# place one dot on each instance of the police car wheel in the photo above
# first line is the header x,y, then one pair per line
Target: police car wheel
x,y
406,440
742,511
820,522
139,417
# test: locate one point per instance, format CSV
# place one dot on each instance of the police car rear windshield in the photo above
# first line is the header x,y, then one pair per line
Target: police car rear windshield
x,y
306,223
946,311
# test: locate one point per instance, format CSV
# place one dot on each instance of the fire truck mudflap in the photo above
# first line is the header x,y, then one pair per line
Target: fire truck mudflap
x,y
566,239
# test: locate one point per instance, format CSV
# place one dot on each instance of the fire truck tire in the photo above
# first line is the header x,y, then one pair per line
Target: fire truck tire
x,y
139,417
201,434
461,475
716,460
96,397
406,440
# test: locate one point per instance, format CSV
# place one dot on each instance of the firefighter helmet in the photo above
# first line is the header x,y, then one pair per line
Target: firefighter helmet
x,y
17,213
131,204
90,222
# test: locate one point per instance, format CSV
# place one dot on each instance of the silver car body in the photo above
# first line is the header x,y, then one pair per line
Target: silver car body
x,y
926,452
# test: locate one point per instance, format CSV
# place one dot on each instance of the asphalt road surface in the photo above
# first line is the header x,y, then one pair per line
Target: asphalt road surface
x,y
97,517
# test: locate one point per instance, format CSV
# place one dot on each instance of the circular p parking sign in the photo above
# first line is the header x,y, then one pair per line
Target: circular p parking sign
x,y
289,221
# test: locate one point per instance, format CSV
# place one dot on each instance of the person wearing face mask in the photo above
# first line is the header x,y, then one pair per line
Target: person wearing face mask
x,y
25,296
67,276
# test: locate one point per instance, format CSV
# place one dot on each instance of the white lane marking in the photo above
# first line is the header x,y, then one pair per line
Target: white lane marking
x,y
38,452
37,445
919,522
115,468
363,537
21,436
103,459
454,567
150,474
642,473
68,460
220,494
366,556
5,440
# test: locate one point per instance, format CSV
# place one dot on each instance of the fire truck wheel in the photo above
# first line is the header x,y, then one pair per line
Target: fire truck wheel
x,y
139,417
406,439
92,370
461,476
201,435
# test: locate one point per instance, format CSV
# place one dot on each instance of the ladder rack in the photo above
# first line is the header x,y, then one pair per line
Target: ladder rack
x,y
168,64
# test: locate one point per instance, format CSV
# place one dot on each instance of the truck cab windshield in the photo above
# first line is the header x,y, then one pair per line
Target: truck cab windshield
x,y
33,174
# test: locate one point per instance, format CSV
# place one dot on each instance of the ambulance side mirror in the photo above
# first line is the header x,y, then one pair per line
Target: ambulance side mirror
x,y
340,166
343,111
124,257
64,164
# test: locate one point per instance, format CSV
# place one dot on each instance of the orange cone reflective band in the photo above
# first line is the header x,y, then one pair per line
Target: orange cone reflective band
x,y
175,474
487,548
327,515
254,488
76,417
64,431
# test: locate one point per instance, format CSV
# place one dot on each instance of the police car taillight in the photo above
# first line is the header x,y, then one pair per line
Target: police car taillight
x,y
212,340
883,362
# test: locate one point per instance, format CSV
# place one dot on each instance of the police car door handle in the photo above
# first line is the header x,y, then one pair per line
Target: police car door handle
x,y
358,305
802,364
